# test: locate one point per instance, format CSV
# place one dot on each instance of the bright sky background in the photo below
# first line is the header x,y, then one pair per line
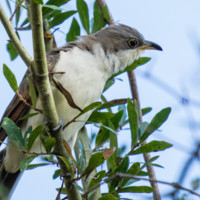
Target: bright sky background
x,y
175,26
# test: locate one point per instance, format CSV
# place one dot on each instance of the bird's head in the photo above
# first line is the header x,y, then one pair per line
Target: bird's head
x,y
123,41
121,37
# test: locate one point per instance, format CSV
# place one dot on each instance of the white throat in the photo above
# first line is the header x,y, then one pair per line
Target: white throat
x,y
113,62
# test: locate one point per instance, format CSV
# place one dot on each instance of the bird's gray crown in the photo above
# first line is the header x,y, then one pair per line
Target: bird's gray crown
x,y
114,38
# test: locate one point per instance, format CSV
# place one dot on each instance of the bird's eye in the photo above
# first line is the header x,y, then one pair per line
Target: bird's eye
x,y
132,43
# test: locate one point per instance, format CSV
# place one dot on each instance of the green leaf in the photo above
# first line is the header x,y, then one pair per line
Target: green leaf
x,y
108,84
98,20
133,121
152,146
28,116
116,119
25,163
113,139
92,106
32,91
9,7
56,173
67,164
97,117
38,1
101,137
10,77
33,166
13,132
60,18
97,178
136,63
33,136
95,160
49,144
156,122
136,189
143,126
18,12
108,197
106,13
149,162
146,110
74,31
133,170
123,167
28,131
52,7
84,15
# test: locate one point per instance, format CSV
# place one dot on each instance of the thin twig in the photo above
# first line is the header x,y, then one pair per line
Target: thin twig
x,y
129,176
16,9
135,95
38,154
26,103
14,38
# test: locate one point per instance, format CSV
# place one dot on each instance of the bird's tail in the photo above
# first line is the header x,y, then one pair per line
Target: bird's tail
x,y
8,181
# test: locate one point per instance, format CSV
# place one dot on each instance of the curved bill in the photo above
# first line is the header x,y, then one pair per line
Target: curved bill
x,y
151,45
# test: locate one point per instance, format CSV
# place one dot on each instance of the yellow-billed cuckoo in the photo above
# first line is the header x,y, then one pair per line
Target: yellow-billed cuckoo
x,y
88,63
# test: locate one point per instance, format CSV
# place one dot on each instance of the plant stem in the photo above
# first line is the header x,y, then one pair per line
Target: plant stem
x,y
14,38
40,74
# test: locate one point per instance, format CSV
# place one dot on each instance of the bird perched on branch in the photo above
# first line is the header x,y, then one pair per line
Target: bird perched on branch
x,y
80,69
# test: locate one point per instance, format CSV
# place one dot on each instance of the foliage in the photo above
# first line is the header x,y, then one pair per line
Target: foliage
x,y
107,152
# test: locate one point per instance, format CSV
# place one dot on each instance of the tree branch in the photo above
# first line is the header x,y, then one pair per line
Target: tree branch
x,y
135,95
129,176
41,77
14,38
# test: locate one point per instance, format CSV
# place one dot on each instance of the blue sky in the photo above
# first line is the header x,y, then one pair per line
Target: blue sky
x,y
175,26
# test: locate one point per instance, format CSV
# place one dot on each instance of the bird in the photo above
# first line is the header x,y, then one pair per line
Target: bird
x,y
82,68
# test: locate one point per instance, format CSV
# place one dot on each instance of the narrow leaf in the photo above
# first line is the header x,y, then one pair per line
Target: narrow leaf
x,y
33,166
28,116
33,136
60,18
95,160
133,121
67,164
136,189
106,13
156,122
152,146
98,20
10,77
84,14
133,170
97,178
13,132
49,144
146,110
92,106
123,166
108,197
56,173
74,31
24,163
12,51
66,94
